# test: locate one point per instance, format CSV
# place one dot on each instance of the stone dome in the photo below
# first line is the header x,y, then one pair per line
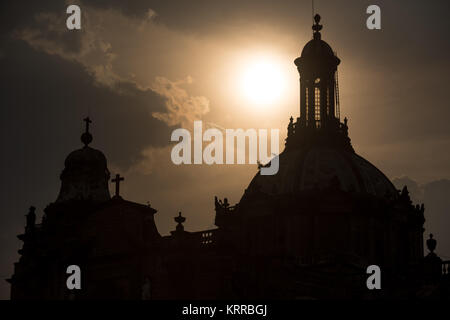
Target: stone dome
x,y
316,51
317,48
86,157
320,168
85,175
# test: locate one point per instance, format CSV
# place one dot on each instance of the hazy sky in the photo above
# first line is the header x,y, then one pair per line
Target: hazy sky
x,y
142,68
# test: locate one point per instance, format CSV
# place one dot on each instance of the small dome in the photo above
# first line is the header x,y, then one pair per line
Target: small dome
x,y
85,157
322,167
317,48
85,175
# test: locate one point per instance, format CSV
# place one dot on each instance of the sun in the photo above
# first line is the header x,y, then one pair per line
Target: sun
x,y
262,82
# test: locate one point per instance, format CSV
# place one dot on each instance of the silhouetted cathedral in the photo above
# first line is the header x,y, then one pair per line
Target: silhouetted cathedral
x,y
310,231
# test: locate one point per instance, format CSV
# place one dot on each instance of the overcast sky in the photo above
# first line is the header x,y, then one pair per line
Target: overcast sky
x,y
140,69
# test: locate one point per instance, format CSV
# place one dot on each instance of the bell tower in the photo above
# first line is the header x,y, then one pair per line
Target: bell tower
x,y
319,122
317,66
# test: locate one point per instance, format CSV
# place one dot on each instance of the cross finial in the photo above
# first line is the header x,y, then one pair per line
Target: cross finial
x,y
88,121
117,180
86,137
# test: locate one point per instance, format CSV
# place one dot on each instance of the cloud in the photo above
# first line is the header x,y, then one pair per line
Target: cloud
x,y
182,109
89,48
48,33
415,191
153,158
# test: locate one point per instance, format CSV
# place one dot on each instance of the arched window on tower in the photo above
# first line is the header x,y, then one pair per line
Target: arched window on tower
x,y
328,102
317,106
336,96
307,105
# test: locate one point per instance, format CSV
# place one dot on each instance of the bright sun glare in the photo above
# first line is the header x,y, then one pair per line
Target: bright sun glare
x,y
262,82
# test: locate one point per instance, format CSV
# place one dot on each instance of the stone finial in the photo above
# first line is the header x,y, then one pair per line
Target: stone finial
x,y
179,220
316,27
431,243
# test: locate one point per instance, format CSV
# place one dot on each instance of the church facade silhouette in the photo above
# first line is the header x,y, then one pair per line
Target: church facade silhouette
x,y
308,232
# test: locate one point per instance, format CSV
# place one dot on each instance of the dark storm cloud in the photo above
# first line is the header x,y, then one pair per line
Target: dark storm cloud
x,y
412,31
16,14
47,95
33,15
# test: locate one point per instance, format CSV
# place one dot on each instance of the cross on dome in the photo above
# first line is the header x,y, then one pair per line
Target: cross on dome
x,y
117,180
86,137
